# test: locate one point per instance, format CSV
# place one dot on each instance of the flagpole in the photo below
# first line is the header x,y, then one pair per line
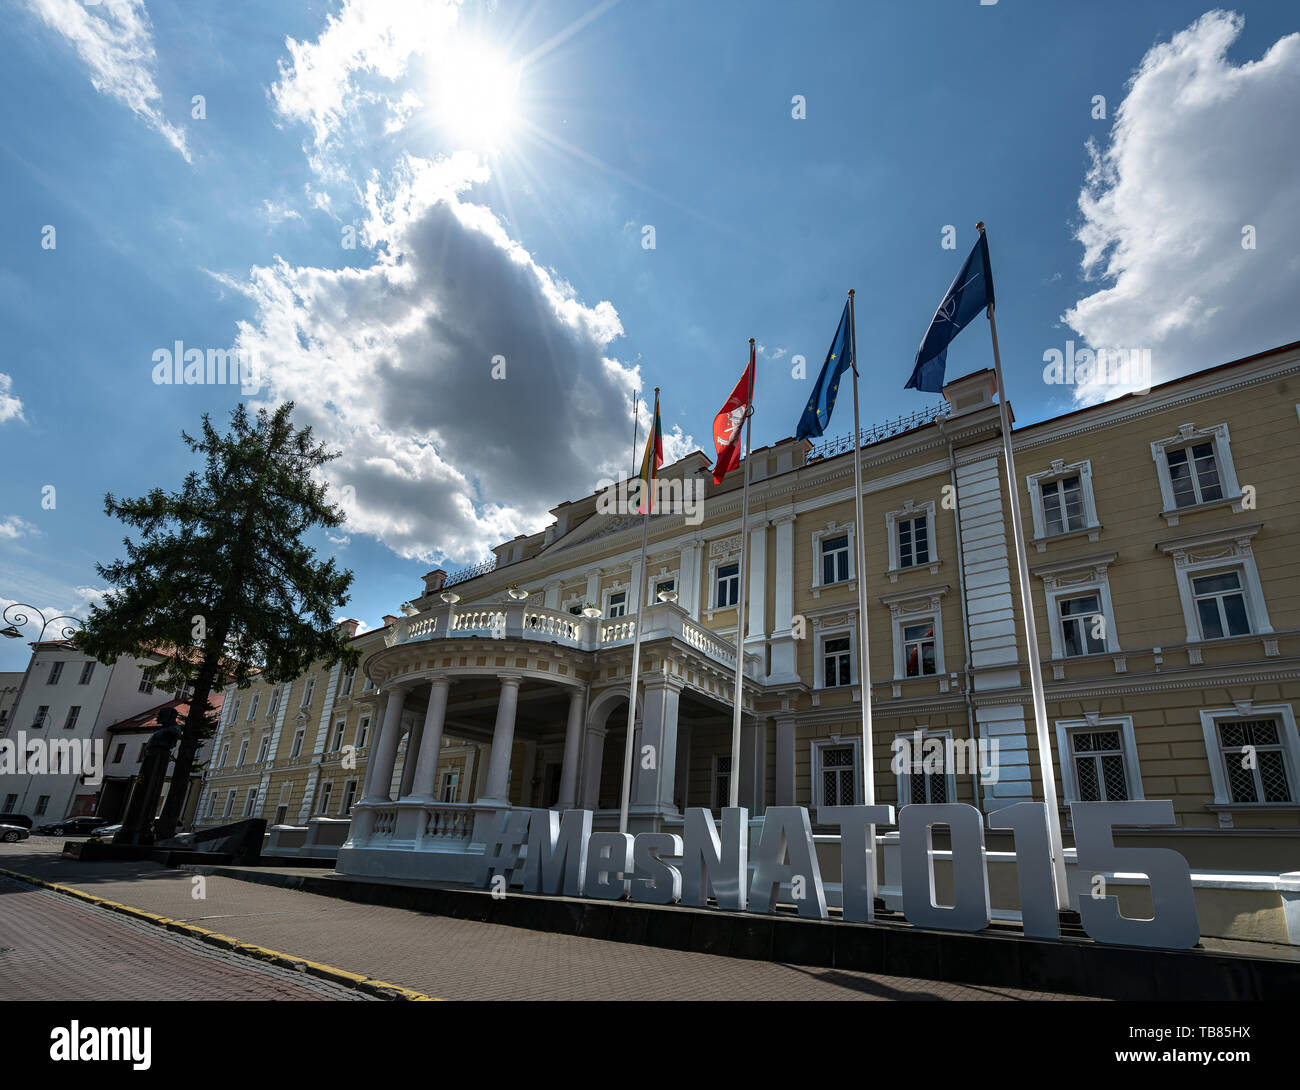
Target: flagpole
x,y
733,778
636,654
1046,768
864,648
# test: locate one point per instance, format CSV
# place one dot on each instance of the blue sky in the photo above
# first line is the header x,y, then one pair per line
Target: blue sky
x,y
227,230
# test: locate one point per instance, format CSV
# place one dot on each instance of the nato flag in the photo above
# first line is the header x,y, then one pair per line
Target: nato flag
x,y
970,293
818,412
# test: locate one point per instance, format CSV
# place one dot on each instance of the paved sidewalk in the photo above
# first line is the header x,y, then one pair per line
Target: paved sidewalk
x,y
53,947
464,959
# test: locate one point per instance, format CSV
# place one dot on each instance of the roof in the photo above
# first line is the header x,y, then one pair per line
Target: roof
x,y
147,721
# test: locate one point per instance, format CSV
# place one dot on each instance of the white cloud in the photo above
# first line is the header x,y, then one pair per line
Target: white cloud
x,y
393,363
1201,148
114,39
11,408
276,212
12,528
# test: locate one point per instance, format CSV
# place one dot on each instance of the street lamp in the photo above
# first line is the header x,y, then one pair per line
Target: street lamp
x,y
15,615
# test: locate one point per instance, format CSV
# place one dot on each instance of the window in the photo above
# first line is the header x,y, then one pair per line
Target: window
x,y
4,716
1098,761
230,804
363,730
350,796
345,689
234,711
56,672
913,541
296,751
446,792
837,661
1254,754
663,586
726,586
1080,616
1083,627
41,804
119,753
225,752
919,649
326,790
281,814
337,743
1195,467
1220,605
146,679
835,559
263,748
252,706
1062,502
924,776
307,691
721,780
73,713
1193,475
212,804
41,714
243,752
87,671
250,806
275,701
617,606
835,773
10,802
1062,505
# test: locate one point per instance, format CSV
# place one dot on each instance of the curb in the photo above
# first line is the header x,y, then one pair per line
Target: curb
x,y
377,988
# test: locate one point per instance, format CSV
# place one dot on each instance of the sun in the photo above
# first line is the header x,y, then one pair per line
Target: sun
x,y
475,95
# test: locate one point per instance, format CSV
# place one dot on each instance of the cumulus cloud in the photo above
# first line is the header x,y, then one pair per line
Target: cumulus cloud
x,y
277,212
114,40
11,408
395,363
12,528
1201,150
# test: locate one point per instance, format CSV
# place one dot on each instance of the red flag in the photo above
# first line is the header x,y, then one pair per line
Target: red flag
x,y
727,424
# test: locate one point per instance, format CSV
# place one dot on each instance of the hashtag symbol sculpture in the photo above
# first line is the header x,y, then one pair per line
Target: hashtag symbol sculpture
x,y
506,835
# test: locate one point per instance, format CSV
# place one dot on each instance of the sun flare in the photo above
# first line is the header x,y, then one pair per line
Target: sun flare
x,y
476,95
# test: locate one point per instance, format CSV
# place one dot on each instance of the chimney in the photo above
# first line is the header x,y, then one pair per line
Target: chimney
x,y
434,581
390,619
349,626
971,392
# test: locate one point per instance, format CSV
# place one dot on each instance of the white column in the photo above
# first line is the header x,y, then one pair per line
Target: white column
x,y
503,740
572,745
636,592
653,787
381,775
593,587
688,590
426,765
756,610
784,648
551,596
413,737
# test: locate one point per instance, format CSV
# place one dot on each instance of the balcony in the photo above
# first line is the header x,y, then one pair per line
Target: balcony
x,y
526,621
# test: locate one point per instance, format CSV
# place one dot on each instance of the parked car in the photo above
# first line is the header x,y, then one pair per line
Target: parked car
x,y
107,832
11,834
76,826
16,819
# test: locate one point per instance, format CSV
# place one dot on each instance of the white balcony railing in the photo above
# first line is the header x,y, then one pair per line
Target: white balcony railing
x,y
524,621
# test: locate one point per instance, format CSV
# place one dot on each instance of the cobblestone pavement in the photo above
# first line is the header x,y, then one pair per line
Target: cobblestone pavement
x,y
55,947
465,959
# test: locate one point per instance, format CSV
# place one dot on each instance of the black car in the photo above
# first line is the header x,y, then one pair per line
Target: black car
x,y
16,819
76,826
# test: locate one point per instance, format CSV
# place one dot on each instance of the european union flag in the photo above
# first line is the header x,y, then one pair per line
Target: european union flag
x,y
818,413
970,293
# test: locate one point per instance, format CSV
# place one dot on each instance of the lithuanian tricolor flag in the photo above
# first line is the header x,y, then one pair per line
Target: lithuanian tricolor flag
x,y
654,458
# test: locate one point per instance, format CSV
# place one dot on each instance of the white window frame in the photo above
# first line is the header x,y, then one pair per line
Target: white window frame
x,y
1059,471
363,732
264,748
1216,551
903,781
345,688
1086,575
324,797
212,804
225,755
910,510
274,701
147,674
308,691
834,631
336,741
1287,735
349,797
1128,745
299,737
833,529
716,564
87,672
229,808
815,748
243,752
70,721
656,582
449,783
608,601
56,672
251,803
1189,435
252,706
909,608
